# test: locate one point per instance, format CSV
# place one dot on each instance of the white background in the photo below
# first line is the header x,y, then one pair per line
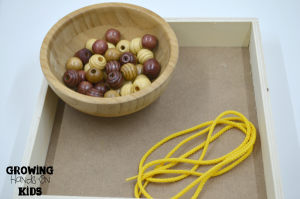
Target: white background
x,y
23,25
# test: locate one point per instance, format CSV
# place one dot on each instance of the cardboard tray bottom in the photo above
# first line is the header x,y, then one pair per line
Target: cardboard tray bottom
x,y
92,156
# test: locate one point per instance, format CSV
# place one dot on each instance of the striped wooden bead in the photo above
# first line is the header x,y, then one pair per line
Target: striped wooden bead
x,y
129,71
126,89
144,54
97,61
114,80
112,66
127,57
135,45
94,93
71,78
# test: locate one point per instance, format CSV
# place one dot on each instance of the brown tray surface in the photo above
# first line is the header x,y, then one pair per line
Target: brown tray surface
x,y
92,156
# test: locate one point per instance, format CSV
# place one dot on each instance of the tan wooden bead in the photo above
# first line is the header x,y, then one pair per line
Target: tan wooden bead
x,y
144,54
74,63
111,93
123,46
135,45
126,89
140,84
139,68
141,76
89,44
97,61
129,71
110,45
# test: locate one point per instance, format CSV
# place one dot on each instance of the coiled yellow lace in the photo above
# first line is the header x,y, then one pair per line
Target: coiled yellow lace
x,y
233,158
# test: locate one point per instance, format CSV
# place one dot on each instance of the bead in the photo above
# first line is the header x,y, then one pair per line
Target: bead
x,y
84,55
110,45
112,54
100,47
112,36
104,75
94,75
87,67
71,78
144,54
81,75
97,61
111,93
112,66
149,41
127,57
139,69
102,87
140,76
115,80
84,86
94,93
89,44
126,89
129,71
135,45
151,68
74,63
123,46
140,84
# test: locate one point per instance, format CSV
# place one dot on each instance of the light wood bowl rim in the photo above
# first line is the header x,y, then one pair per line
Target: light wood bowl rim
x,y
52,80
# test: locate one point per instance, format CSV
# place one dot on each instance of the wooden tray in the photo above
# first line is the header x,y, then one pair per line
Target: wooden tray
x,y
220,67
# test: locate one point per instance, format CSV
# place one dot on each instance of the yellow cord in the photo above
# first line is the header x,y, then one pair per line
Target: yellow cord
x,y
234,157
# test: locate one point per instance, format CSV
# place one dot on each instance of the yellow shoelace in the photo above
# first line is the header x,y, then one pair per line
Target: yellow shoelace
x,y
234,157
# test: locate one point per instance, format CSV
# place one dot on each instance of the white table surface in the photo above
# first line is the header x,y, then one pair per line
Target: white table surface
x,y
23,25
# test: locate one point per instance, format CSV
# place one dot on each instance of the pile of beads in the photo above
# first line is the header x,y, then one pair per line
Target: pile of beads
x,y
113,67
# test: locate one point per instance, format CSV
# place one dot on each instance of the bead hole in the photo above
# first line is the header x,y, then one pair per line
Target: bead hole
x,y
67,77
100,59
87,54
137,88
111,75
122,47
126,58
93,71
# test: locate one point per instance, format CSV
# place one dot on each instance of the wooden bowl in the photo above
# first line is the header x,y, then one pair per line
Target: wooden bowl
x,y
71,33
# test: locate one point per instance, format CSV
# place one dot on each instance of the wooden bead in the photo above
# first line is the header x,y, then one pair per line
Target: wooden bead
x,y
74,63
81,75
140,84
144,54
135,45
112,36
100,47
110,45
104,75
127,57
102,87
129,71
111,93
84,86
139,68
112,54
149,41
123,46
112,66
84,55
94,75
71,78
86,67
89,44
115,80
94,93
126,89
141,76
151,68
97,61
